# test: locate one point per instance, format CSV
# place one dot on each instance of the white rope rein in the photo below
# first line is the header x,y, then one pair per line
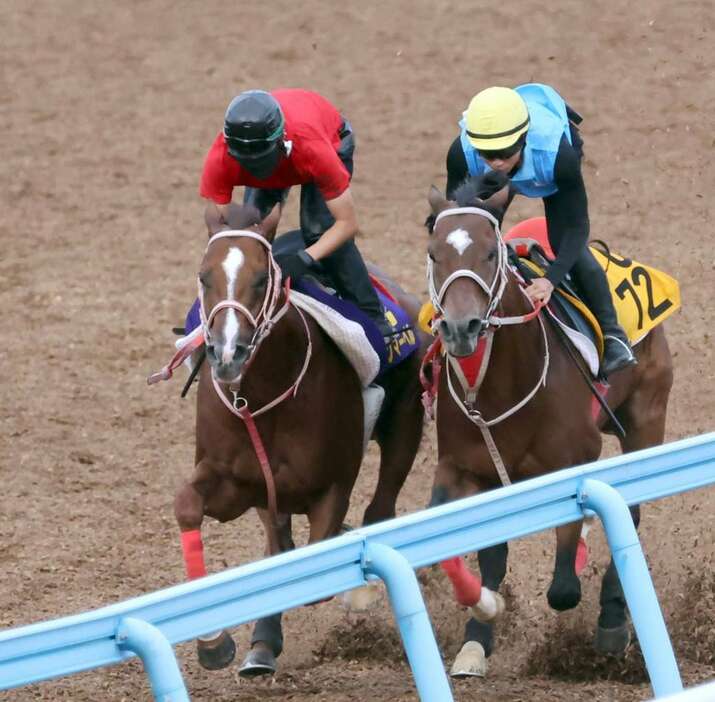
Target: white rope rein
x,y
494,291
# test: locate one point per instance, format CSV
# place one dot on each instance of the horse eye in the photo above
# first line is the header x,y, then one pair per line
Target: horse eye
x,y
204,280
260,281
492,255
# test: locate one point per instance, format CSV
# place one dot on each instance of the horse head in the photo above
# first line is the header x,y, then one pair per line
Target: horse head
x,y
239,286
467,260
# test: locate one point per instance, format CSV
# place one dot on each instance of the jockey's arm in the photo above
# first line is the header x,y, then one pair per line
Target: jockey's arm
x,y
343,210
566,213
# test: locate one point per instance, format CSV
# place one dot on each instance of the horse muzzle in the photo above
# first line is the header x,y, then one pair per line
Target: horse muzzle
x,y
227,364
460,336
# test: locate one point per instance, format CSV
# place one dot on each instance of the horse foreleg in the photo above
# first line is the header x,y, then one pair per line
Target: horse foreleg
x,y
398,434
565,590
479,633
216,650
643,415
267,639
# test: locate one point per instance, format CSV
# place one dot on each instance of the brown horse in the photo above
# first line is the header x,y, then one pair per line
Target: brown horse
x,y
528,411
268,360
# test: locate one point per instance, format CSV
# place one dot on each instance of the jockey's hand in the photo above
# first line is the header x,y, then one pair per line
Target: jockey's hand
x,y
294,265
540,290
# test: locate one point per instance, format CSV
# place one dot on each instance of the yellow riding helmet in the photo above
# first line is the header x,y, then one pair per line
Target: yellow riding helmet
x,y
495,119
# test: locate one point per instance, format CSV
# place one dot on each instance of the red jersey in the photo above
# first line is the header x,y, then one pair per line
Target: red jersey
x,y
311,126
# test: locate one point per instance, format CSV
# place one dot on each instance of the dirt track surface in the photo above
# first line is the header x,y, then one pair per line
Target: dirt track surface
x,y
105,115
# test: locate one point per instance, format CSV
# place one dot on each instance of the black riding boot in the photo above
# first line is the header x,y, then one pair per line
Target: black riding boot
x,y
593,285
348,272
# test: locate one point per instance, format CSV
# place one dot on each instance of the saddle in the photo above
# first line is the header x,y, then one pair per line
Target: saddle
x,y
642,295
318,286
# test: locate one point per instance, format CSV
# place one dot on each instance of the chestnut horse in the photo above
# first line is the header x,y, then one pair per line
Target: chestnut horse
x,y
528,412
270,361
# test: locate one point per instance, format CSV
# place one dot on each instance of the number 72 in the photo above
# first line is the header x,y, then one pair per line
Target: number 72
x,y
625,286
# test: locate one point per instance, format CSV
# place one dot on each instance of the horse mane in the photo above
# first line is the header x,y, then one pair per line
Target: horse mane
x,y
473,191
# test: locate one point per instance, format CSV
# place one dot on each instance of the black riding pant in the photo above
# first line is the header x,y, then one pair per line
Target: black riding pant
x,y
586,273
345,266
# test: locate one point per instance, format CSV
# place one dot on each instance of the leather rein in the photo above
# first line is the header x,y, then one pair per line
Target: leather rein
x,y
263,322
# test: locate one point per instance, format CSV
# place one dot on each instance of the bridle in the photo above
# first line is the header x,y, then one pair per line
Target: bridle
x,y
489,323
493,290
268,316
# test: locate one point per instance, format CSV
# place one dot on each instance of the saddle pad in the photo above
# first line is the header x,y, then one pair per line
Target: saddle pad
x,y
642,295
348,335
403,342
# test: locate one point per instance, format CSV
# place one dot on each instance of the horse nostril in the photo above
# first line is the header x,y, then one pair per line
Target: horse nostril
x,y
211,352
241,352
474,326
445,329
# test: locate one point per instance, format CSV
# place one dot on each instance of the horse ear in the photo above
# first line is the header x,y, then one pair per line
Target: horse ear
x,y
269,224
437,201
499,200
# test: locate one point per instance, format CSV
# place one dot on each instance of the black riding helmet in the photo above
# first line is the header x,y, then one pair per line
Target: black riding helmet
x,y
253,129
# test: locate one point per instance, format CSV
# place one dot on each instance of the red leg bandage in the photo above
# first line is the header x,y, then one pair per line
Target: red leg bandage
x,y
467,586
193,549
581,556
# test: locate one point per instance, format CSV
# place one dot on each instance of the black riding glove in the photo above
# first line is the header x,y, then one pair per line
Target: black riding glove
x,y
295,265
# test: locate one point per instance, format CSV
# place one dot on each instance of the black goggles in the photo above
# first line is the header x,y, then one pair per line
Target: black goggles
x,y
249,148
502,154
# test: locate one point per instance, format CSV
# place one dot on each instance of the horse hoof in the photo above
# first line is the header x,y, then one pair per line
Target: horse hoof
x,y
471,661
363,598
259,661
612,641
565,595
216,653
490,607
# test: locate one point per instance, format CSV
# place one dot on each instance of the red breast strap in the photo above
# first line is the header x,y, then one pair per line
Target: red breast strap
x,y
471,365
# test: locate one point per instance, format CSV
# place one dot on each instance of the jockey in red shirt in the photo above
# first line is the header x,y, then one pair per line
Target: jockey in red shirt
x,y
272,141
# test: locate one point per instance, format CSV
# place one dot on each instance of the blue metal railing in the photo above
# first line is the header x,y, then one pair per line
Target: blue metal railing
x,y
148,625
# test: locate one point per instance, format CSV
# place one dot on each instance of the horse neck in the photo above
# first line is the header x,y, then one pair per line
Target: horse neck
x,y
278,360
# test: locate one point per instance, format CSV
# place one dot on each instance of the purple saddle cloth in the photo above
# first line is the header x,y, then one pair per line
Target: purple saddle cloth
x,y
400,346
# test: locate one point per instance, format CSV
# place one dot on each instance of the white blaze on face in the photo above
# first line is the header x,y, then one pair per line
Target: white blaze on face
x,y
231,266
460,239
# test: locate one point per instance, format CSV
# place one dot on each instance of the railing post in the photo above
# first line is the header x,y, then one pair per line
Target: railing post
x,y
637,584
412,619
158,657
